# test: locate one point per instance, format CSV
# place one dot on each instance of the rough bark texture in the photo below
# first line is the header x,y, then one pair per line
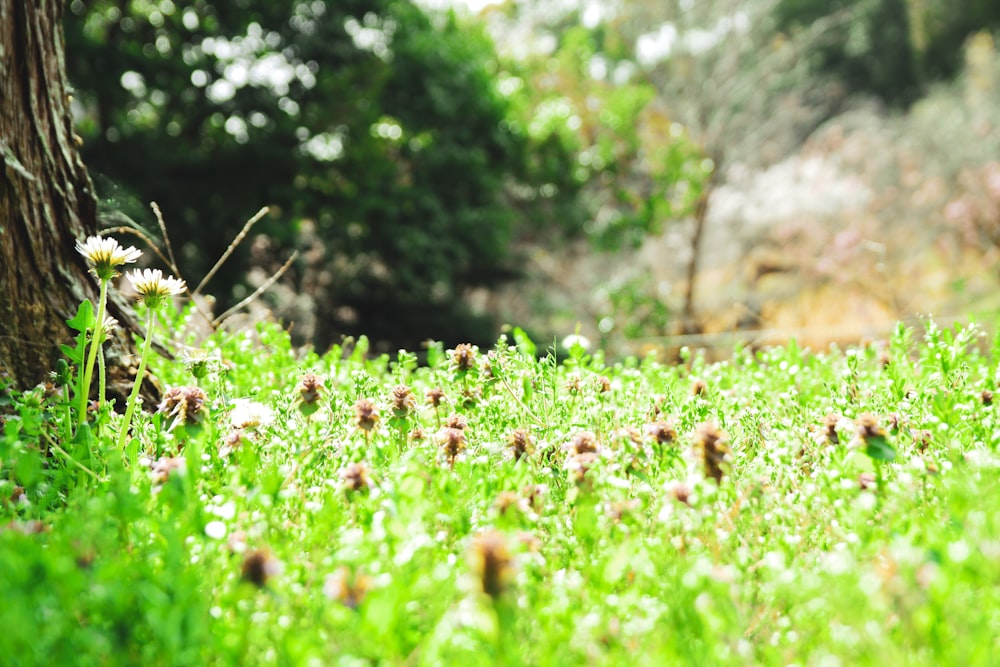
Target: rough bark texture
x,y
46,197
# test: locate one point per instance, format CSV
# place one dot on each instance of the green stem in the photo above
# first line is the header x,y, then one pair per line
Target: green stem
x,y
95,346
134,396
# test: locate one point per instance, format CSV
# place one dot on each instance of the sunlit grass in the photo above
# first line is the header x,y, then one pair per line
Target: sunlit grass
x,y
509,509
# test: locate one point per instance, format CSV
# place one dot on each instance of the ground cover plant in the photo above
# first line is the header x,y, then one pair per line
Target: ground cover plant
x,y
511,506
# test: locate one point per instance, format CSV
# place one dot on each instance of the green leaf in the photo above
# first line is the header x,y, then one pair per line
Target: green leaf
x,y
83,321
878,448
524,344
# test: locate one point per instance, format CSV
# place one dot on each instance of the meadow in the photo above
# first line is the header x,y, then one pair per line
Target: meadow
x,y
522,505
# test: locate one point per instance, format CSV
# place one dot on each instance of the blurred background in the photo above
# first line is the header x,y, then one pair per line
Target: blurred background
x,y
645,172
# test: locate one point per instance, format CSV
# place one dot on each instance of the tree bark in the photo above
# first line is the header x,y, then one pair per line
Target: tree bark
x,y
46,197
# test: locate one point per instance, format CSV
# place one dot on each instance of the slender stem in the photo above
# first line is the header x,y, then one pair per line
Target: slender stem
x,y
134,396
95,346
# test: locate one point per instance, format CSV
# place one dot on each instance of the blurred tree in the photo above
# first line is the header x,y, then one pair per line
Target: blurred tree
x,y
890,48
375,121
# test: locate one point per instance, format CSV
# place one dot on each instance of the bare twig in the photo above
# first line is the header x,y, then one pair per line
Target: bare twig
x,y
257,292
166,237
229,251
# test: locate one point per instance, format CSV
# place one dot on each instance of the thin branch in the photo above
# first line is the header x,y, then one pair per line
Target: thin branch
x,y
229,251
257,292
166,237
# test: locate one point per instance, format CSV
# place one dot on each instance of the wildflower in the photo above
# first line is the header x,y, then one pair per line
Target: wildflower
x,y
584,442
580,464
874,437
492,562
830,428
463,358
452,443
434,397
247,414
456,421
258,567
163,468
535,495
105,255
520,443
347,587
986,397
403,401
152,287
681,492
309,388
603,384
355,477
576,343
868,427
663,432
698,387
867,481
109,326
366,416
233,441
185,404
711,444
508,500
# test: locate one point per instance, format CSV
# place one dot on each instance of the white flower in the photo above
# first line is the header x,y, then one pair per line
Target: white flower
x,y
104,254
575,340
110,325
248,414
152,287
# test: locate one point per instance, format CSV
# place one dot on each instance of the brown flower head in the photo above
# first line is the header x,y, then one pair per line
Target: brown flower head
x,y
452,443
830,428
520,443
233,441
662,432
584,442
463,358
868,427
507,501
185,404
698,387
456,421
258,567
403,401
434,397
310,388
492,562
355,477
163,467
535,495
711,445
347,587
580,464
366,415
603,384
986,397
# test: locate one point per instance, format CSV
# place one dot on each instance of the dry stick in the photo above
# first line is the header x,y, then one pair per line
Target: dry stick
x,y
229,251
257,292
166,237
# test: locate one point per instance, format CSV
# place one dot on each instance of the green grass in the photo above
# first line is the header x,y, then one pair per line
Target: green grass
x,y
877,549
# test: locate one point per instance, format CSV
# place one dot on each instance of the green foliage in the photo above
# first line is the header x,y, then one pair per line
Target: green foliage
x,y
276,535
377,122
891,48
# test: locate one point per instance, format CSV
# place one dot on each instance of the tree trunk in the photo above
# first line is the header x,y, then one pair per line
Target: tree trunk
x,y
46,197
